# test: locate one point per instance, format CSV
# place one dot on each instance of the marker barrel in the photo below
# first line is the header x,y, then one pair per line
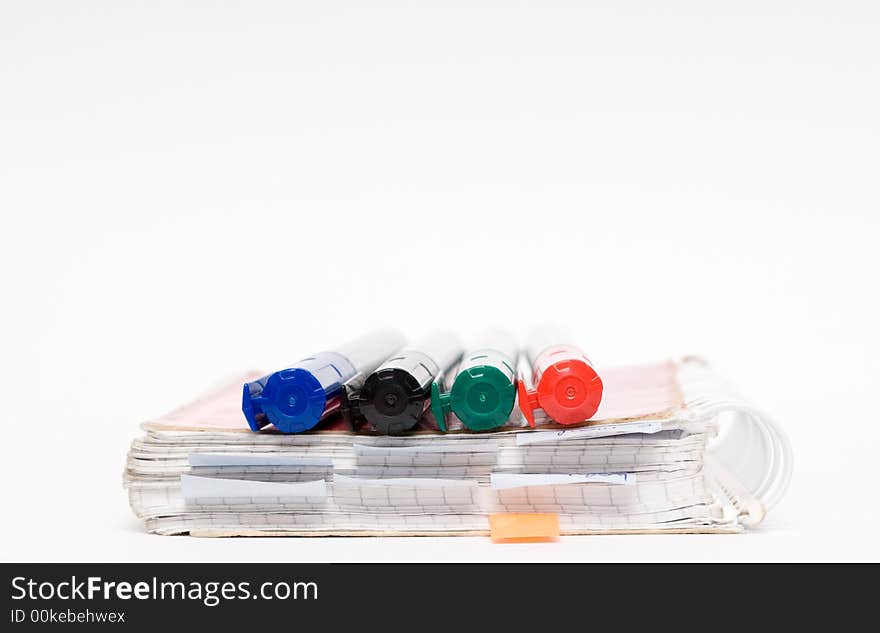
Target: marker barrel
x,y
483,391
296,398
566,385
395,396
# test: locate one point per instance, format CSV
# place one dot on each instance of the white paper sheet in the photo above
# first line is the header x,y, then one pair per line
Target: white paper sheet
x,y
255,459
456,447
504,481
194,487
415,482
584,432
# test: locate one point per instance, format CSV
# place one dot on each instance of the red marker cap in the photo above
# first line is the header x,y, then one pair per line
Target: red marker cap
x,y
567,386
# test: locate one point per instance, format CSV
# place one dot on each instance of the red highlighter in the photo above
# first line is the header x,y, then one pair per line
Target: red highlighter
x,y
558,378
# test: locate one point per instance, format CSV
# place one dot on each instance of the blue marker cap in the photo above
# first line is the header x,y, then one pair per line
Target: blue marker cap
x,y
295,399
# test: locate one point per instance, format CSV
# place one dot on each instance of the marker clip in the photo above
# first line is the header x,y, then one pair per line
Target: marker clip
x,y
252,404
441,405
349,405
528,395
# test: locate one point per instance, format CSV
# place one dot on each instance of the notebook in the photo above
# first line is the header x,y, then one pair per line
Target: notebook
x,y
672,448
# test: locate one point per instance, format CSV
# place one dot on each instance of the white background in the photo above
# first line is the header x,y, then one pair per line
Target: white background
x,y
189,189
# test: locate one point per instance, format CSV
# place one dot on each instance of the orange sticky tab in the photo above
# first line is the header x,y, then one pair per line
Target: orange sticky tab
x,y
510,526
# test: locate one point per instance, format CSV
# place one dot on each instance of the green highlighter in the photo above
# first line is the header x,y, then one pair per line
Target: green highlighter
x,y
484,388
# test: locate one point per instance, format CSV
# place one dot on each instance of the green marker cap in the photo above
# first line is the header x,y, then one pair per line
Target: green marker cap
x,y
482,396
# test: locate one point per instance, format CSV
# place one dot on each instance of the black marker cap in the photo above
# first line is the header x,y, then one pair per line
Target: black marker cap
x,y
392,400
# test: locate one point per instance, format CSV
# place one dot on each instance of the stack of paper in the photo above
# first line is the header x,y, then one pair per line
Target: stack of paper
x,y
650,460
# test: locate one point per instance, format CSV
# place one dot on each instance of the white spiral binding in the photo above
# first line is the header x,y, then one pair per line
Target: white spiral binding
x,y
751,459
